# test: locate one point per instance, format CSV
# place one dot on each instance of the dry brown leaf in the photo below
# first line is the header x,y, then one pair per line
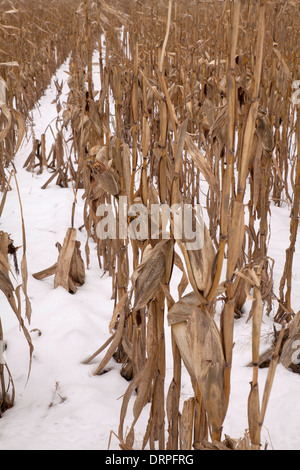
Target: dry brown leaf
x,y
6,111
147,277
203,165
186,424
115,342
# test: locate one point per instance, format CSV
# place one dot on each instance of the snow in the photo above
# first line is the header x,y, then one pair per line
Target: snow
x,y
63,406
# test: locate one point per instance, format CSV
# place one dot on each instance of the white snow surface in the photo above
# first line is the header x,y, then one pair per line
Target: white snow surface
x,y
63,406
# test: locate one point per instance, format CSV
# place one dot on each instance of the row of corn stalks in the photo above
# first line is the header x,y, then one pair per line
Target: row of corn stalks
x,y
34,42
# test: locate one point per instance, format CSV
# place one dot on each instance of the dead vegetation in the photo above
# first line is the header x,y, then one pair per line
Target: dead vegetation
x,y
196,98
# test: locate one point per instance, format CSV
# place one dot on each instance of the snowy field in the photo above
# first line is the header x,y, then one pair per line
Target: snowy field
x,y
63,406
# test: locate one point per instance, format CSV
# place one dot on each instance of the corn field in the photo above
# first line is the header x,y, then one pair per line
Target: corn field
x,y
198,107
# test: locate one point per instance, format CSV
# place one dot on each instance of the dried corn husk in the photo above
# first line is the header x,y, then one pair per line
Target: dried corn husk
x,y
155,269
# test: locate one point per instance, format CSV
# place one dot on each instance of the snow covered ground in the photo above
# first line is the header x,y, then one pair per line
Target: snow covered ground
x,y
63,406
